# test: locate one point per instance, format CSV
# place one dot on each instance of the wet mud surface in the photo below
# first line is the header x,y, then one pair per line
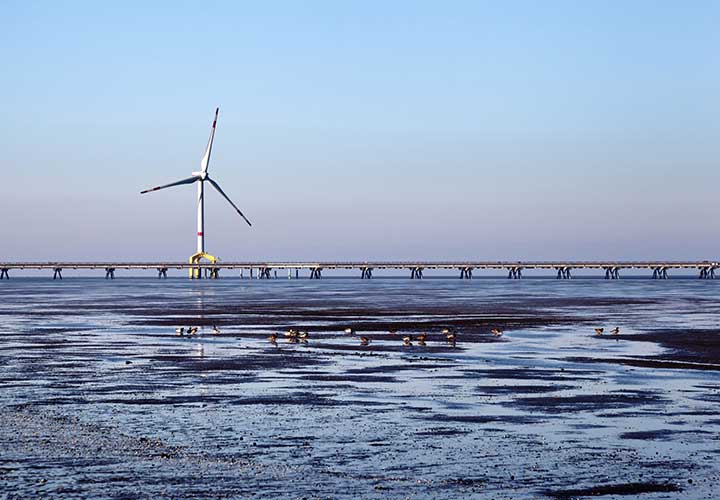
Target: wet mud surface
x,y
101,399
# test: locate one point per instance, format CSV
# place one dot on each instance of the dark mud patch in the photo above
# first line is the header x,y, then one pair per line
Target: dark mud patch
x,y
586,402
659,434
484,419
400,368
268,360
363,379
295,399
614,489
521,389
442,431
647,363
698,345
550,375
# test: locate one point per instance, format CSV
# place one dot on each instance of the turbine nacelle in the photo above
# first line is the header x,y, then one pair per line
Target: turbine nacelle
x,y
201,175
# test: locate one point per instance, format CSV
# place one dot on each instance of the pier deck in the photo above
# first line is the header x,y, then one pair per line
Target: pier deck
x,y
706,269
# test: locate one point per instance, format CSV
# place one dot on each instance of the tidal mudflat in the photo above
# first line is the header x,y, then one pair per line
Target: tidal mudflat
x,y
101,399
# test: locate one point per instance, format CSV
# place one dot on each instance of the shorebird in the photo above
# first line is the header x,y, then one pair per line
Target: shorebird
x,y
364,341
615,331
497,332
179,331
291,333
421,338
450,337
273,339
192,330
303,335
215,330
349,331
407,340
599,331
445,331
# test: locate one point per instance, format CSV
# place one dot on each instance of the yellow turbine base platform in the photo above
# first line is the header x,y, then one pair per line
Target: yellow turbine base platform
x,y
196,258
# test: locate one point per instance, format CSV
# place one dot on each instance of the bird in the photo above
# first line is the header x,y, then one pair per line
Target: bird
x,y
349,331
497,332
599,331
215,330
615,331
450,338
179,331
192,330
445,331
291,333
273,338
407,340
303,335
364,341
421,338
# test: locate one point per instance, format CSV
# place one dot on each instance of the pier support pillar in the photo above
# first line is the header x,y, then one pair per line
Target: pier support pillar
x,y
466,273
214,273
4,273
707,273
110,273
515,273
162,272
612,273
297,273
316,273
563,273
416,273
57,273
264,273
366,273
660,273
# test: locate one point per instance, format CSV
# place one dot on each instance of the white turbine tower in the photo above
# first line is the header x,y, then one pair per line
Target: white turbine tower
x,y
200,177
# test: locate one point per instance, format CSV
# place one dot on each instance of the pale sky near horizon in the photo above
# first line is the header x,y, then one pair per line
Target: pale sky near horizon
x,y
362,130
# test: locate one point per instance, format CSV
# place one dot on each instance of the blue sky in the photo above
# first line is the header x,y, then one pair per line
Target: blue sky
x,y
363,130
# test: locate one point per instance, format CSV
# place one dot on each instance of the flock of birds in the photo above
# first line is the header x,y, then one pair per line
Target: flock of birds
x,y
614,331
193,330
295,336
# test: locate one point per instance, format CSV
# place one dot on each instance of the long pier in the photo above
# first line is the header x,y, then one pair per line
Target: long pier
x,y
415,269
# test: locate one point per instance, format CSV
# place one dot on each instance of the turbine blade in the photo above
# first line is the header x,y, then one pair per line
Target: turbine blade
x,y
219,190
206,157
189,180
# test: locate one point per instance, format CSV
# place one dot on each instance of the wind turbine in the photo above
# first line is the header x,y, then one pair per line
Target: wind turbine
x,y
200,177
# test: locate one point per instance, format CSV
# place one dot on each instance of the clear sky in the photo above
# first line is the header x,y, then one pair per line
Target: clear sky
x,y
362,130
